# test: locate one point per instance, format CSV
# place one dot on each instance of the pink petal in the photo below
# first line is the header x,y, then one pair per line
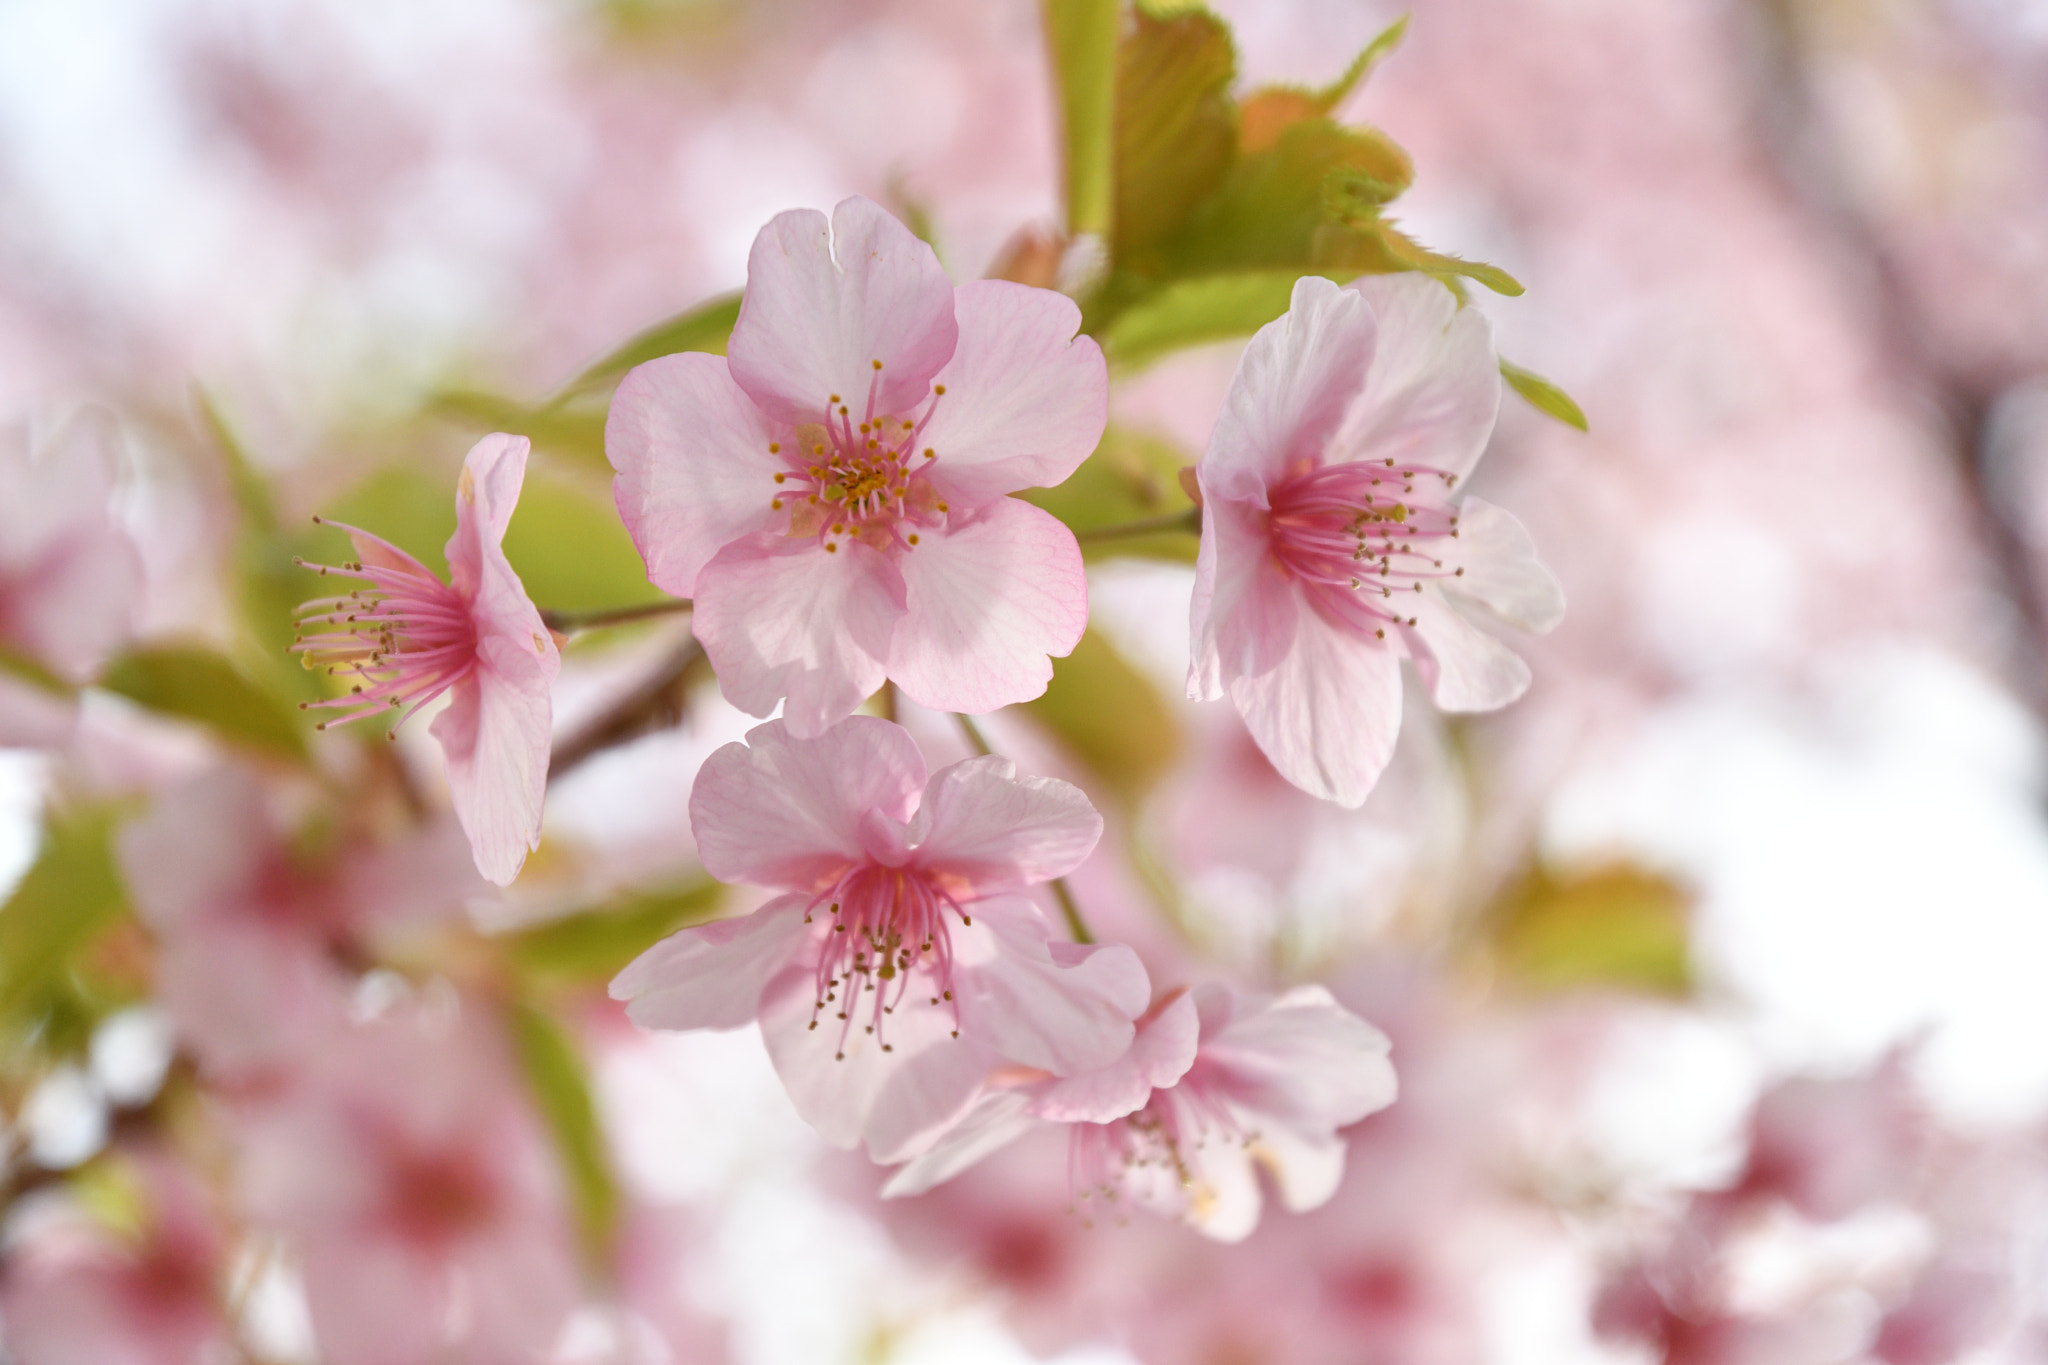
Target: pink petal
x,y
485,495
1307,1170
1290,390
495,736
997,1119
713,975
69,574
1160,1055
1243,616
374,1302
1025,400
783,621
1501,569
789,812
1434,388
822,307
1465,668
987,601
997,832
694,472
1298,1059
198,848
896,1101
1062,1007
1327,715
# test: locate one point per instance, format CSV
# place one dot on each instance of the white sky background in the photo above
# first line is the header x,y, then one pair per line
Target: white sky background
x,y
1871,844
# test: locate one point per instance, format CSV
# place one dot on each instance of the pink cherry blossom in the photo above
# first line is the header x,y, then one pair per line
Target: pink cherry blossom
x,y
1335,542
73,1291
832,495
419,1194
901,964
406,638
1216,1084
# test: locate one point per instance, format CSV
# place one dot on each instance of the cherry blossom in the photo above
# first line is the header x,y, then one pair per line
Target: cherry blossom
x,y
1216,1084
1335,540
419,1194
406,637
832,495
901,964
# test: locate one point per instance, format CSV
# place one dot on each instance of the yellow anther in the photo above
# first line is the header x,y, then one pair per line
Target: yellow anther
x,y
780,477
878,364
775,448
939,388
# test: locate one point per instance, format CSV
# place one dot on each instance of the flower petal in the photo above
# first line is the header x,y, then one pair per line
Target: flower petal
x,y
823,305
1327,715
1434,388
694,472
1465,668
789,812
997,1119
1160,1055
1298,1059
983,825
1307,1170
853,1090
1290,391
1062,1007
495,735
987,601
1026,399
783,621
712,975
1243,616
1502,571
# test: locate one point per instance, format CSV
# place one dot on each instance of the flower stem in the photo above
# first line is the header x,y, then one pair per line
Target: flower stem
x,y
1063,893
1189,520
569,622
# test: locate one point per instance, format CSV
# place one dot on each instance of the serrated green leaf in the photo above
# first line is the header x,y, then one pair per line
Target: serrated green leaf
x,y
1268,110
70,893
1418,257
1176,125
1544,396
706,327
1110,717
1195,311
1081,39
1618,927
560,1085
593,946
1132,476
1271,210
193,683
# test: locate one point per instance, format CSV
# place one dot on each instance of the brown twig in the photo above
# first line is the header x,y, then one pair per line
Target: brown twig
x,y
662,700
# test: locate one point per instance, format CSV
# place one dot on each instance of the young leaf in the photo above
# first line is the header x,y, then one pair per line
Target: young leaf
x,y
1081,38
570,549
1619,927
1110,717
1176,126
1193,311
1544,396
1269,110
703,328
561,1088
1130,477
193,683
593,946
70,893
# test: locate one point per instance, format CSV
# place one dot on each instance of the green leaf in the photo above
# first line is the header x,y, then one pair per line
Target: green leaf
x,y
1081,37
1132,476
1544,396
1176,125
23,668
572,427
1418,257
705,327
1270,109
70,893
193,683
571,550
1194,311
412,505
593,946
251,489
561,1088
1272,210
1110,717
1618,927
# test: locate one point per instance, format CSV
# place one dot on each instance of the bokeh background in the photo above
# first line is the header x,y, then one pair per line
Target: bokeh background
x,y
1775,807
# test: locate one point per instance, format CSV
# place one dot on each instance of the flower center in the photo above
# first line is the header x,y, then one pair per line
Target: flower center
x,y
889,941
1361,536
1147,1153
862,480
405,637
